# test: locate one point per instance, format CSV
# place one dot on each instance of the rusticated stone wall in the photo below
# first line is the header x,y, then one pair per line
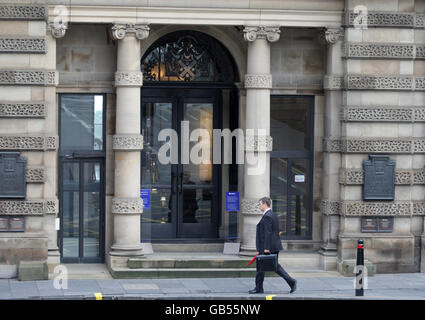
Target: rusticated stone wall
x,y
382,113
28,124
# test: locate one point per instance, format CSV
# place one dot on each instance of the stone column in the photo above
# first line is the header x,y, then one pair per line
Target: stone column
x,y
57,31
127,142
333,84
258,143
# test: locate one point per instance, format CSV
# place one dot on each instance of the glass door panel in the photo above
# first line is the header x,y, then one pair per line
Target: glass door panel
x,y
197,180
299,197
70,212
82,208
279,191
158,177
91,209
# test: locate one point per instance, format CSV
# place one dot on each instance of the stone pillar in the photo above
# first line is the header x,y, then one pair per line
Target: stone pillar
x,y
127,142
258,143
57,30
333,84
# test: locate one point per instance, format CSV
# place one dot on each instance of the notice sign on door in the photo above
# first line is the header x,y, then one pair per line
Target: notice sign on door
x,y
232,201
145,194
299,178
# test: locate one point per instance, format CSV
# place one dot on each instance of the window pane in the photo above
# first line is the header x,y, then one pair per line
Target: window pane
x,y
81,122
290,121
278,191
299,198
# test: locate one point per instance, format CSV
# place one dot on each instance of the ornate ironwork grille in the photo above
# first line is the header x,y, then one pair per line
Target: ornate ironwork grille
x,y
188,56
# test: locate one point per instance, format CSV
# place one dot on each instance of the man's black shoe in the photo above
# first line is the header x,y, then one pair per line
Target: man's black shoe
x,y
294,287
255,291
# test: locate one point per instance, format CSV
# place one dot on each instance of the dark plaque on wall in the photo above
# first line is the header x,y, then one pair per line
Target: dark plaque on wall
x,y
12,175
4,224
375,224
369,225
379,178
12,224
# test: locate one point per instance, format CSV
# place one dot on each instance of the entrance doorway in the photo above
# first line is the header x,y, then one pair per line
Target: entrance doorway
x,y
81,178
188,77
291,164
185,197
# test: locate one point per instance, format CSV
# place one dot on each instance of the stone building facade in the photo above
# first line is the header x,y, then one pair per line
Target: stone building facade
x,y
86,86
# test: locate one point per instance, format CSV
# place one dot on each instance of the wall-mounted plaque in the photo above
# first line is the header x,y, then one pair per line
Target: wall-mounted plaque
x,y
385,224
375,224
12,224
369,225
4,224
379,178
12,175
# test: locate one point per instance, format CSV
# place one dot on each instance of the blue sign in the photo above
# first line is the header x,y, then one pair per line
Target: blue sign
x,y
145,194
232,201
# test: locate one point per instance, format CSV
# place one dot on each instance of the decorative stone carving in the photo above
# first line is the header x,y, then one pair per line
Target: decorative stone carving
x,y
333,35
36,174
131,142
127,206
58,30
29,207
386,19
402,177
371,145
383,114
258,143
379,50
22,109
258,81
272,34
22,12
359,208
22,45
332,145
333,82
29,78
330,208
361,82
140,31
378,146
36,142
419,83
419,176
418,208
420,51
250,206
128,79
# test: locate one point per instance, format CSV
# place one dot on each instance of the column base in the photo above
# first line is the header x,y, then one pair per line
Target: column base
x,y
126,251
53,259
328,254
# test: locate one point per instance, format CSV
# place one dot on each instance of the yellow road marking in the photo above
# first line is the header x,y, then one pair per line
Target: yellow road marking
x,y
98,296
270,297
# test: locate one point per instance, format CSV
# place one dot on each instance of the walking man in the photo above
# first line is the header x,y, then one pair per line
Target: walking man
x,y
268,241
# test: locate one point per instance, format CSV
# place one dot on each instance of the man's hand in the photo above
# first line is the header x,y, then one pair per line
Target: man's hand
x,y
267,251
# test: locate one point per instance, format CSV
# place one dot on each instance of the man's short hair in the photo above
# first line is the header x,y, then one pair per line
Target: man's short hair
x,y
266,200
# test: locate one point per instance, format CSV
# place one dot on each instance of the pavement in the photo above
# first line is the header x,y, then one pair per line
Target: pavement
x,y
96,283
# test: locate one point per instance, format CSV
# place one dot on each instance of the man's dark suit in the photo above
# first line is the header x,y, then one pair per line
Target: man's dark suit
x,y
268,239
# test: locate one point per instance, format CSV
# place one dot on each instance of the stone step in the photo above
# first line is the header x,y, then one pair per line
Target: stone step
x,y
123,273
188,263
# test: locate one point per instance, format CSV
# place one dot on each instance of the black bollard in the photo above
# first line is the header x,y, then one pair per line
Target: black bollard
x,y
360,268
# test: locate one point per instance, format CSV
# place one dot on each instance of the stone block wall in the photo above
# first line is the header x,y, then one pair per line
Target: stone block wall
x,y
383,113
28,124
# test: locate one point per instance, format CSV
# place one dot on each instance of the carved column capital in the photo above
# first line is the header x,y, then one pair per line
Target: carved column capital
x,y
333,35
58,30
272,34
120,30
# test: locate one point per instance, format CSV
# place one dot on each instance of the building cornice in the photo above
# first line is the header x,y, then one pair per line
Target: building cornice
x,y
202,16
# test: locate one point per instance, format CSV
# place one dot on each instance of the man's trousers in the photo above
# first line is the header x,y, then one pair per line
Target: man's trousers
x,y
259,278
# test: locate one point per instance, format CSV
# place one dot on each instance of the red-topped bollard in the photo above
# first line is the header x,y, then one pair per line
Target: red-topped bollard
x,y
360,268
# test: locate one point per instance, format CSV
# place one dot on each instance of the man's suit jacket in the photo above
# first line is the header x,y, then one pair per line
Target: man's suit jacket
x,y
268,233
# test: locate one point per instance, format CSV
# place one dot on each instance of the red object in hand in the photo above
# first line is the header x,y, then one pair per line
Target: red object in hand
x,y
253,259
